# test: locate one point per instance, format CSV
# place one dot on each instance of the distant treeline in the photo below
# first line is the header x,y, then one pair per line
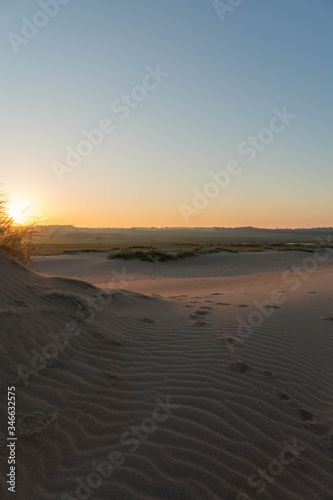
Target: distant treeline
x,y
247,229
317,230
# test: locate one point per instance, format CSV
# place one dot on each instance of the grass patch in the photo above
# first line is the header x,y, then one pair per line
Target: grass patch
x,y
153,255
173,253
15,240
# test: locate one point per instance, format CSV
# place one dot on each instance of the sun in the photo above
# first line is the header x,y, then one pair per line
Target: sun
x,y
19,212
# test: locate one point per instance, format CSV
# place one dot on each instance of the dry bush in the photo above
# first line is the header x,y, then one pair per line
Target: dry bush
x,y
15,240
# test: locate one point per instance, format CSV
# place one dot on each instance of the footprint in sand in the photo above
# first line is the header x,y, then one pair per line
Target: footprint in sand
x,y
270,306
147,320
199,323
35,423
216,293
20,303
119,344
243,305
208,308
283,396
238,366
319,426
6,312
268,374
306,415
223,304
312,292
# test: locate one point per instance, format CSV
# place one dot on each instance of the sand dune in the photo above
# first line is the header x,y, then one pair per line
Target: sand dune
x,y
128,395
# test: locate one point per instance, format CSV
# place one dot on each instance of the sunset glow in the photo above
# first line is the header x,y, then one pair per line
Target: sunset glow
x,y
20,213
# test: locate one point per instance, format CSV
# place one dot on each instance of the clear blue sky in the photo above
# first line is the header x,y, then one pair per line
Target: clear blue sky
x,y
225,78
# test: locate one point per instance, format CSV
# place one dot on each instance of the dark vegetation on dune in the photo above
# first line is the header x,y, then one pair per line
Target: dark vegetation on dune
x,y
152,254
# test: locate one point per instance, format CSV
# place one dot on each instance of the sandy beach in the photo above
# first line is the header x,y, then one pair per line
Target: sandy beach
x,y
207,378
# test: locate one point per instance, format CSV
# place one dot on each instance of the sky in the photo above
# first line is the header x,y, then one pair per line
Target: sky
x,y
121,113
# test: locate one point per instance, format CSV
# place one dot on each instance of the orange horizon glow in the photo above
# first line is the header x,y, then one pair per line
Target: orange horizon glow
x,y
227,213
